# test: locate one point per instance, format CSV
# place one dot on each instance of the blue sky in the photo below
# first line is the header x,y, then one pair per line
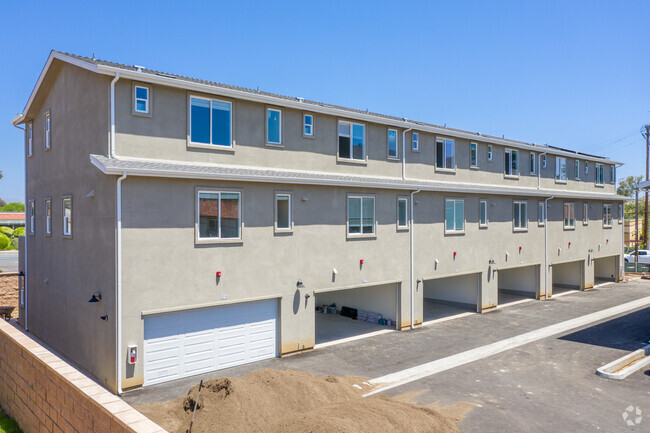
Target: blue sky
x,y
567,73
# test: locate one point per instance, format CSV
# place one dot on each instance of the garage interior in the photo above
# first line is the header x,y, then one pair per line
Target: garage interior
x,y
444,297
518,283
378,301
605,269
567,276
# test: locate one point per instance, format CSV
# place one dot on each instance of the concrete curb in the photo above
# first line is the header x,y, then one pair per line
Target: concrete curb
x,y
623,367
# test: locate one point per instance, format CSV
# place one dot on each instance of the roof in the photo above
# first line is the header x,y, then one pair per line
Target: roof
x,y
17,216
174,80
173,169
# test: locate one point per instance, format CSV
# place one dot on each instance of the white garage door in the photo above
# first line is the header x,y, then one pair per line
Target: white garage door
x,y
186,343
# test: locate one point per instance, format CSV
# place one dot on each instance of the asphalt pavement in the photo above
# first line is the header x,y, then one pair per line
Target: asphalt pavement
x,y
9,261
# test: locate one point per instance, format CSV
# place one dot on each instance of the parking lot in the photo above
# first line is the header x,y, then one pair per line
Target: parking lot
x,y
547,384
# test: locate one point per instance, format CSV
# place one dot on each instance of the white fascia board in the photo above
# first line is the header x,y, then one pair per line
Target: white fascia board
x,y
267,99
361,183
644,185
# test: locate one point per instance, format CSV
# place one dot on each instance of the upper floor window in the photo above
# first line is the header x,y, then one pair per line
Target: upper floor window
x,y
219,215
392,143
600,174
511,162
607,215
308,121
415,141
48,216
141,102
543,161
577,169
520,215
361,215
620,214
402,213
586,167
67,216
32,217
48,131
569,215
483,217
540,213
352,141
612,174
585,213
454,215
533,163
210,122
445,153
30,139
473,160
273,126
283,212
489,155
560,168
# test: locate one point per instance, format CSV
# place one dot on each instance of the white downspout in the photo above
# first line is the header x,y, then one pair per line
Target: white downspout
x,y
26,237
546,248
404,152
411,230
539,171
118,298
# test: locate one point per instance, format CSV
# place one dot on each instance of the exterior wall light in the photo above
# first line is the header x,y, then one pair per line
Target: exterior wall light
x,y
104,317
299,284
97,296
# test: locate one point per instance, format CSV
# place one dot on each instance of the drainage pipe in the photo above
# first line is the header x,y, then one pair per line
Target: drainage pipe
x,y
118,271
404,153
26,236
411,230
546,247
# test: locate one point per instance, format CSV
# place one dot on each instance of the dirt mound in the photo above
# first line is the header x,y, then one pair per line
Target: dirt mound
x,y
291,402
9,292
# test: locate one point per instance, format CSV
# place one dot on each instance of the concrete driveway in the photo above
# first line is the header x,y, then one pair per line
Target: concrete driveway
x,y
548,384
9,261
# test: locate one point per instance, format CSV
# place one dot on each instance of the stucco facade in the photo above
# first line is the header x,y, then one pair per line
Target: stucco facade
x,y
143,253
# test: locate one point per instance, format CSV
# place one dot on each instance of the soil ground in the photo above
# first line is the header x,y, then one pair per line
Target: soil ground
x,y
9,292
291,401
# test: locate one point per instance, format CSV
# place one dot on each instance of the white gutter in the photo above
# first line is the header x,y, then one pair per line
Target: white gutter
x,y
412,229
118,297
14,122
404,152
546,247
539,169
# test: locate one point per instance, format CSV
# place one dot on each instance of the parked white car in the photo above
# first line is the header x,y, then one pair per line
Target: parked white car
x,y
644,256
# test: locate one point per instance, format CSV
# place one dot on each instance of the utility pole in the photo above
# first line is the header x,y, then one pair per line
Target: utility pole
x,y
645,131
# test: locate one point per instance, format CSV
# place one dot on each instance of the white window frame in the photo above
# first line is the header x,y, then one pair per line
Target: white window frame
x,y
269,142
585,214
541,213
586,168
455,230
67,233
570,210
197,218
607,215
32,217
415,141
543,161
600,174
189,130
279,229
483,204
513,166
559,163
396,155
620,214
361,234
305,125
517,206
473,155
48,216
404,200
48,131
576,166
147,100
443,141
489,152
533,163
364,159
30,138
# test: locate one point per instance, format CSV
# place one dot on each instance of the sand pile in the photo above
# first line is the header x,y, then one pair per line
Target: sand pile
x,y
291,402
9,292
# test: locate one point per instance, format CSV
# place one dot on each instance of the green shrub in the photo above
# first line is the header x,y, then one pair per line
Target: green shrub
x,y
8,425
14,244
7,230
4,242
20,231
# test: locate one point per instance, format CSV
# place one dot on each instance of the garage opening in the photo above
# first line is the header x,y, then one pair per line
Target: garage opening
x,y
353,312
567,276
444,297
518,283
605,269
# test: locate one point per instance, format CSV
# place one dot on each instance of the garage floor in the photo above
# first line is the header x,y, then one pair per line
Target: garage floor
x,y
508,298
331,327
433,310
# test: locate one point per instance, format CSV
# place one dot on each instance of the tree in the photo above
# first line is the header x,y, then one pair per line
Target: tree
x,y
627,186
2,203
629,209
13,207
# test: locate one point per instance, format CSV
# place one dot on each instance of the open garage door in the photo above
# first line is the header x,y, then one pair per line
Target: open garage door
x,y
448,296
568,276
518,283
376,309
606,268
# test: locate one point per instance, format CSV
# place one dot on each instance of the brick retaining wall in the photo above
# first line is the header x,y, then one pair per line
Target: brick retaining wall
x,y
44,393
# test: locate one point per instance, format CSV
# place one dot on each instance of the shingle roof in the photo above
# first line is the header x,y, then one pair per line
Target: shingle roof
x,y
138,167
290,98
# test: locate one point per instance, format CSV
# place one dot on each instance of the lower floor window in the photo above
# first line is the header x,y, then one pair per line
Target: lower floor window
x,y
454,215
402,212
219,215
361,215
569,215
520,215
483,213
607,215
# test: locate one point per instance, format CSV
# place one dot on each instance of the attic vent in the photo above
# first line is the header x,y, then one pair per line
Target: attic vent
x,y
165,75
300,99
139,68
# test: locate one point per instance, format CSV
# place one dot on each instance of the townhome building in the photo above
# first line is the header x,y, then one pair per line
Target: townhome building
x,y
177,226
